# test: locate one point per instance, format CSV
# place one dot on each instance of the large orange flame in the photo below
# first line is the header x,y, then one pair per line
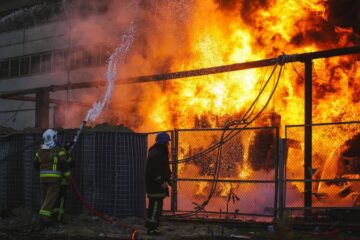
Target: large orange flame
x,y
227,32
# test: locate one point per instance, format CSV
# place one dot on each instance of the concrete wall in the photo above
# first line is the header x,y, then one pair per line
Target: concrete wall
x,y
14,4
44,38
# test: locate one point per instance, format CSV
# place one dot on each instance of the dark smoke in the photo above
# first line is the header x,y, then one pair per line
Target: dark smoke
x,y
344,14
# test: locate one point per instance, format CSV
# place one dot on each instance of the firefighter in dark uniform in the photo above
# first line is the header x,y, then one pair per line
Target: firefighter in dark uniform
x,y
51,161
157,177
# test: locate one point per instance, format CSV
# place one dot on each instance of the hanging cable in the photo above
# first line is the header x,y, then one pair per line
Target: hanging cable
x,y
233,132
235,122
218,164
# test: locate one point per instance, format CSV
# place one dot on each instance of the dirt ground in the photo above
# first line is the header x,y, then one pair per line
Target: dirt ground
x,y
23,224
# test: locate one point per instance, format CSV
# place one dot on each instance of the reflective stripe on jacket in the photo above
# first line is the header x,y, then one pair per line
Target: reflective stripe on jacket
x,y
52,164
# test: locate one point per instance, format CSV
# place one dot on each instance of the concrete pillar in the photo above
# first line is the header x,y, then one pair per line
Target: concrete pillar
x,y
59,116
42,109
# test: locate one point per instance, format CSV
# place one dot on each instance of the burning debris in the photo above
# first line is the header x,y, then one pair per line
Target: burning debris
x,y
262,150
190,34
349,168
349,161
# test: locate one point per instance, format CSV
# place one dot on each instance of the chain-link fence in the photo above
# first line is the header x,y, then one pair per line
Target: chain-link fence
x,y
110,168
243,179
335,166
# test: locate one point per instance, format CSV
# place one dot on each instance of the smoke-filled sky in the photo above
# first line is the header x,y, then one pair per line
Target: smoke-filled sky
x,y
175,35
179,35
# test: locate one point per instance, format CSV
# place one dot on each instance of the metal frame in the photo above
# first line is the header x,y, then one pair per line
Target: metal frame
x,y
198,72
307,208
240,181
279,181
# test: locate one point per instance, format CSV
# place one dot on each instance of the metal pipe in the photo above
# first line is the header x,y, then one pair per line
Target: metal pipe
x,y
223,180
229,213
197,72
340,180
321,124
53,101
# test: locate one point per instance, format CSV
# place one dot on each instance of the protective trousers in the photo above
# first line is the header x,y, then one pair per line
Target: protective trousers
x,y
61,202
49,198
154,212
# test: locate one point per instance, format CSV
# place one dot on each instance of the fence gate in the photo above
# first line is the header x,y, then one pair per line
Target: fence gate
x,y
335,168
246,185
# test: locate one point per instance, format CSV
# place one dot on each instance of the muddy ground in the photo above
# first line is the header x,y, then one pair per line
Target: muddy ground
x,y
23,224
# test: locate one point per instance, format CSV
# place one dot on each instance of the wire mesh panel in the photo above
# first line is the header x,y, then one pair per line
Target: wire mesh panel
x,y
335,165
129,170
114,178
108,169
104,174
72,203
14,172
88,153
243,179
31,175
5,156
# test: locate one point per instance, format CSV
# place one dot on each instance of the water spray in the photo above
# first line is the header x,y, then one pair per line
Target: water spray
x,y
114,61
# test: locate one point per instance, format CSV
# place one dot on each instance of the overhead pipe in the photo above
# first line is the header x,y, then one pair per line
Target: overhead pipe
x,y
197,72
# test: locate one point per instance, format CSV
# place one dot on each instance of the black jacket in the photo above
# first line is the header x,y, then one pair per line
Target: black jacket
x,y
157,170
54,162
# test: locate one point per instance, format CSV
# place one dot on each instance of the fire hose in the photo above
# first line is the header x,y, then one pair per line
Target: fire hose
x,y
114,60
82,200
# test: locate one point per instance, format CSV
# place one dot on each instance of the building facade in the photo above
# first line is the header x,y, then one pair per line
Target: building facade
x,y
43,54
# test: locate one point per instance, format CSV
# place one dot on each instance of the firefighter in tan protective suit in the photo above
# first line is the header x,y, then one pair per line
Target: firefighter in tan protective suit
x,y
52,163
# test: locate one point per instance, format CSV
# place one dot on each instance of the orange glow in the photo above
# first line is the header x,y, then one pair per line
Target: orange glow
x,y
215,37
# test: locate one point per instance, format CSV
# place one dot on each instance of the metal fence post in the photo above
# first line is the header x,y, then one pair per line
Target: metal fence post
x,y
281,169
174,145
308,139
277,155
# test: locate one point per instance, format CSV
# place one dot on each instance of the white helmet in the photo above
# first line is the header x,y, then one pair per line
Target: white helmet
x,y
49,137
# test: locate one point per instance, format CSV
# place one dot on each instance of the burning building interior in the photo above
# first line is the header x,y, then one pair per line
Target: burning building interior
x,y
261,100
